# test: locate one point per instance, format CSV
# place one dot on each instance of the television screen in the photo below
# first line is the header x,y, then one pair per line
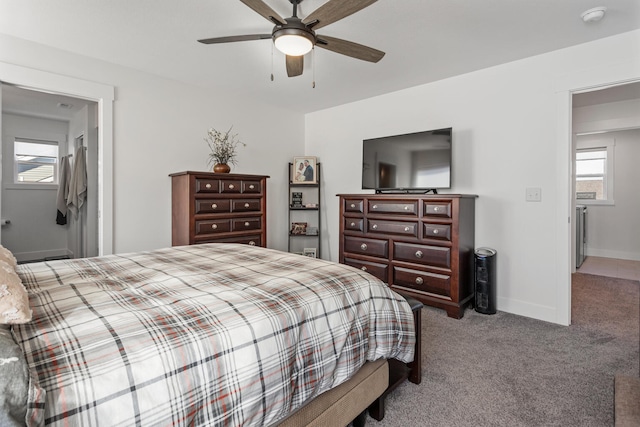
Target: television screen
x,y
414,161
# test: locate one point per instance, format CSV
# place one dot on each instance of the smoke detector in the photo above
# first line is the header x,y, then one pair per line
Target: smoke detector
x,y
593,15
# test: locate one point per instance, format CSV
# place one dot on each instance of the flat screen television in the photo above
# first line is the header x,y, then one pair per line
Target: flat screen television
x,y
413,162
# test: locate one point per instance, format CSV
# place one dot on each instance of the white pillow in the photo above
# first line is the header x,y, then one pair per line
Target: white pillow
x,y
7,256
14,301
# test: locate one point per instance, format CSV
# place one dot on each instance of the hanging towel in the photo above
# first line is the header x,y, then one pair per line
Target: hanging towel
x,y
63,191
78,184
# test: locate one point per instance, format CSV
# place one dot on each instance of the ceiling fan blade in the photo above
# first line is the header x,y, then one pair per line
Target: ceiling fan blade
x,y
265,10
348,48
235,38
295,64
334,10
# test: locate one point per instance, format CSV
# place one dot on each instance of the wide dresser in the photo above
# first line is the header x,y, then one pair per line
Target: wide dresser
x,y
421,245
226,208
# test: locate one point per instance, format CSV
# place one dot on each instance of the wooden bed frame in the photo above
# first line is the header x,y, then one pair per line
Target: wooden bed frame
x,y
366,390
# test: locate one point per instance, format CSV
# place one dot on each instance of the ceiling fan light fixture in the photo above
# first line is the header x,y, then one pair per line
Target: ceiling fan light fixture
x,y
293,43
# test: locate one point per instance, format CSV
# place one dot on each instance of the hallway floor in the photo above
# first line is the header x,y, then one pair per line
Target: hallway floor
x,y
611,267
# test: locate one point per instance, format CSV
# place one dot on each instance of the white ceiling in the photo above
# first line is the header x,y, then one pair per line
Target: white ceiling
x,y
424,41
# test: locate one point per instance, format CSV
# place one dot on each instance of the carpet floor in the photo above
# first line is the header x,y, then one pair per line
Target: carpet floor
x,y
508,370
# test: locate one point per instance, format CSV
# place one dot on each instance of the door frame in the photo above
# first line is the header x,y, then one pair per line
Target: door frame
x,y
103,95
566,85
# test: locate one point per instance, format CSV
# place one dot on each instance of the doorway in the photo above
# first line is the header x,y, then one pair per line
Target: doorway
x,y
103,96
606,134
33,197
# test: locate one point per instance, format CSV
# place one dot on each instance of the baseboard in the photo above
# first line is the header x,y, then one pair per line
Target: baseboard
x,y
41,255
526,309
606,253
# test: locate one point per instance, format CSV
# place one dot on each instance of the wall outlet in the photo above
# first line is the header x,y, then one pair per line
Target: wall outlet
x,y
534,194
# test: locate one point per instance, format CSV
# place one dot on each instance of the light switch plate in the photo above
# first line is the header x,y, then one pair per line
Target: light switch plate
x,y
534,194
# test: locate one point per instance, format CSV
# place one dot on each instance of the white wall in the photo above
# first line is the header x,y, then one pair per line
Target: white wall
x,y
33,232
613,231
506,138
159,125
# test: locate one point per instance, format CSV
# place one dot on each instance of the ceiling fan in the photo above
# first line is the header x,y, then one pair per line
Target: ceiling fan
x,y
295,37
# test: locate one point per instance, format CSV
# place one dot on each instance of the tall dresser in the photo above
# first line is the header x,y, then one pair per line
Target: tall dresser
x,y
209,207
421,245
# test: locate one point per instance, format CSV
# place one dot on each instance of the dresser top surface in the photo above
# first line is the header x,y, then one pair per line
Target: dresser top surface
x,y
408,196
204,174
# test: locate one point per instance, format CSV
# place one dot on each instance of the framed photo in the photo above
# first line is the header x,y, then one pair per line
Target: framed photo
x,y
296,199
310,252
304,170
298,228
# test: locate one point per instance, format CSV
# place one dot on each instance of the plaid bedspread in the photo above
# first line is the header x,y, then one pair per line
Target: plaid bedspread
x,y
204,335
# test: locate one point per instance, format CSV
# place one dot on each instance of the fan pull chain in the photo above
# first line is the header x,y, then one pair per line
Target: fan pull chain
x,y
313,65
271,61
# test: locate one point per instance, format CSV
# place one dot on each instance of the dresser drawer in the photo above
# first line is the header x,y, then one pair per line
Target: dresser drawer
x,y
393,227
397,207
230,186
205,206
204,185
423,281
436,231
213,226
437,209
246,240
372,247
251,187
422,254
381,271
245,205
354,224
244,224
354,205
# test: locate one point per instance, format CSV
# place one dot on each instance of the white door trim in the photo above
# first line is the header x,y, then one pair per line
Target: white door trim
x,y
44,81
565,87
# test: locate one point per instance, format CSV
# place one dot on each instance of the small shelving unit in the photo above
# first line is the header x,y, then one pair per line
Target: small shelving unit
x,y
305,240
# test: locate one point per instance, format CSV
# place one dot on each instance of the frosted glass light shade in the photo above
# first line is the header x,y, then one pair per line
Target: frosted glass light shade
x,y
293,45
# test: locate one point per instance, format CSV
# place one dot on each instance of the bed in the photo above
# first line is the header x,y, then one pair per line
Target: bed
x,y
203,335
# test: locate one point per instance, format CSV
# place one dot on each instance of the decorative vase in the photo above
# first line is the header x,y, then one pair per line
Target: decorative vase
x,y
221,168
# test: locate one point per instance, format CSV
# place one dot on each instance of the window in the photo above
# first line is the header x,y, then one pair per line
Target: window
x,y
36,162
594,173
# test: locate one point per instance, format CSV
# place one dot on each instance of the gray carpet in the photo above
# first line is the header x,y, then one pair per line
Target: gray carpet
x,y
507,370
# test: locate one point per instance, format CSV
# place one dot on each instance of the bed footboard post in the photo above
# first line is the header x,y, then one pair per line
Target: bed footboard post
x,y
415,373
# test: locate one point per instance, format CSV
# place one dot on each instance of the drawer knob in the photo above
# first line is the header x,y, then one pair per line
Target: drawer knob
x,y
419,281
407,228
214,226
436,209
406,208
363,268
214,206
252,243
353,205
374,226
246,205
419,254
435,231
231,186
353,224
375,206
208,186
247,223
251,187
363,246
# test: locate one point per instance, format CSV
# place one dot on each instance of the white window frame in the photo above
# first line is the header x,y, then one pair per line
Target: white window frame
x,y
607,144
16,162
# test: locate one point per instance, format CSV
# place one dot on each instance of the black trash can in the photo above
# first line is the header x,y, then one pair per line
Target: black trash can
x,y
485,281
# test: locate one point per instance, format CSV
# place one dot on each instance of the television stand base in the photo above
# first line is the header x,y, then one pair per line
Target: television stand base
x,y
407,191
